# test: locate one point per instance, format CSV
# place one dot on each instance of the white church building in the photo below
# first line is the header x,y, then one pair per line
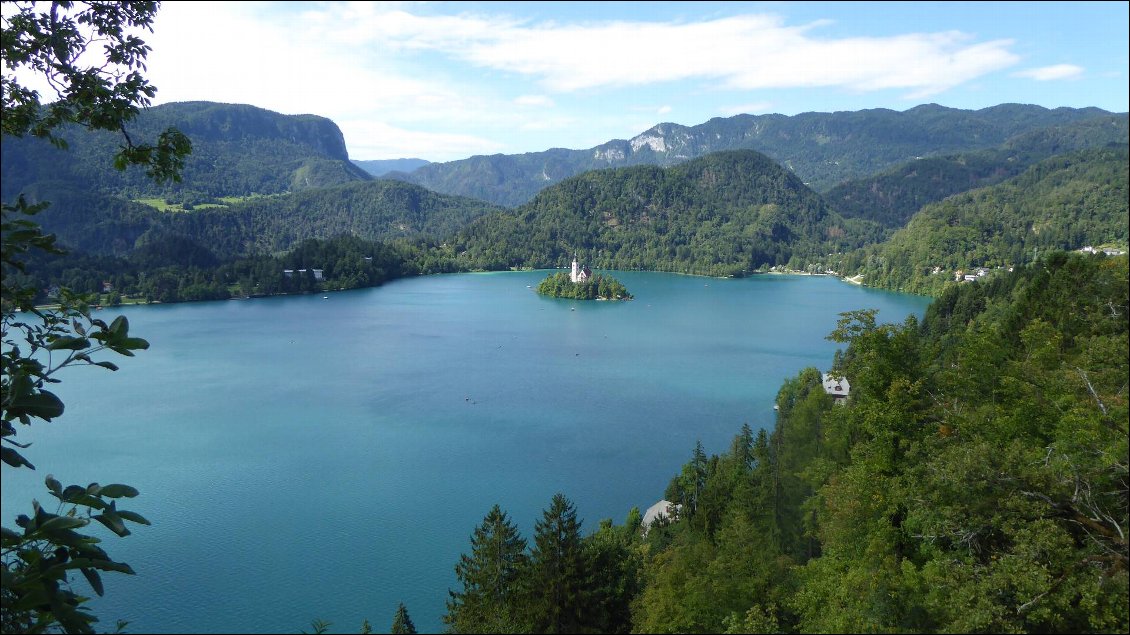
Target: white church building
x,y
579,273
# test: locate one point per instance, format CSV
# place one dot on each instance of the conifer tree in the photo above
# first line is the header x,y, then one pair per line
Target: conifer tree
x,y
558,571
402,623
490,577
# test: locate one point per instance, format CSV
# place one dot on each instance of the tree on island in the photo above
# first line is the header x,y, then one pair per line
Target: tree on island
x,y
559,285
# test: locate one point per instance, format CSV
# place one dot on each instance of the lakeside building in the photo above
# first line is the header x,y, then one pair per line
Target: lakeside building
x,y
579,273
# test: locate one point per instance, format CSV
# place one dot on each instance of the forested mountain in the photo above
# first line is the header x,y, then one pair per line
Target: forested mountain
x,y
287,179
973,481
382,167
726,213
892,197
238,150
371,210
823,149
1063,203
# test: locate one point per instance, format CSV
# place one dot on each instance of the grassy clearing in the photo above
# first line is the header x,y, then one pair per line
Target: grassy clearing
x,y
162,205
159,204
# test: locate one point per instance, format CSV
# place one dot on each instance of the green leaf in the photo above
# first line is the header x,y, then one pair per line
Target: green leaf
x,y
69,343
135,343
119,327
86,500
94,579
72,491
117,490
43,404
62,522
102,565
13,458
134,517
113,522
109,365
53,485
8,538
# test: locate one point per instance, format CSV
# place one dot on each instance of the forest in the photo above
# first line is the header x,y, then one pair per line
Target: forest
x,y
974,481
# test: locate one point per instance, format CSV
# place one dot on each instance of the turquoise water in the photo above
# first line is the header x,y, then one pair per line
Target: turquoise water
x,y
311,458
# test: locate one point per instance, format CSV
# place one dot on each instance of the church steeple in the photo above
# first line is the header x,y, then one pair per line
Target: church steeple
x,y
579,273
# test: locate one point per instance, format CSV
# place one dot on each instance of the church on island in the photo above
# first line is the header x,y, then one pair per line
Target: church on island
x,y
579,273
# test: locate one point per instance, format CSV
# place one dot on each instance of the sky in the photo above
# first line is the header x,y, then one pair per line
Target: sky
x,y
443,81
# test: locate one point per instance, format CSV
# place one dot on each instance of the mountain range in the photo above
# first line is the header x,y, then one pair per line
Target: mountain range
x,y
823,149
688,199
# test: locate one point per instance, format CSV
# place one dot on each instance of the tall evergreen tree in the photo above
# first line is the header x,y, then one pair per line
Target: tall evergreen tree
x,y
558,571
490,577
402,623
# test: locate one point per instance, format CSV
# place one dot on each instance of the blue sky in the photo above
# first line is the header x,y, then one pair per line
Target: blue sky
x,y
444,81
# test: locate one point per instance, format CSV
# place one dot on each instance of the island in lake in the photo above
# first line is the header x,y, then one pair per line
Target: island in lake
x,y
581,284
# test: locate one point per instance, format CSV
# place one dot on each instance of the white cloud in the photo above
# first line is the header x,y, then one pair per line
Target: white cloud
x,y
449,82
745,52
747,109
534,100
1048,73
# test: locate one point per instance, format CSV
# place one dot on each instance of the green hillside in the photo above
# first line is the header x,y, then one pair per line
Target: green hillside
x,y
1063,203
370,210
728,213
238,150
892,197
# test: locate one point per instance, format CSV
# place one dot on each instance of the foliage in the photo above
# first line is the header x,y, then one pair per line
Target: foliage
x,y
599,287
490,599
566,582
53,41
402,623
557,591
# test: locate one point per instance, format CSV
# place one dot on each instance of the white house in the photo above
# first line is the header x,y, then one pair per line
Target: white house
x,y
662,509
838,387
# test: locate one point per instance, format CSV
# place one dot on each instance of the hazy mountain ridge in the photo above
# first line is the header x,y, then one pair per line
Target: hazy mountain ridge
x,y
823,149
381,167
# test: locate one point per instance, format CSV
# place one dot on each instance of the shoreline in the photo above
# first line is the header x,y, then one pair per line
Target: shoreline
x,y
856,280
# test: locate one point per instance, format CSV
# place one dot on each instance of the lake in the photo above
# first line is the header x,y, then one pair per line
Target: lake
x,y
313,457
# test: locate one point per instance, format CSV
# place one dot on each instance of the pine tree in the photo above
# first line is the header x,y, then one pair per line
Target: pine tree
x,y
558,571
490,578
402,623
